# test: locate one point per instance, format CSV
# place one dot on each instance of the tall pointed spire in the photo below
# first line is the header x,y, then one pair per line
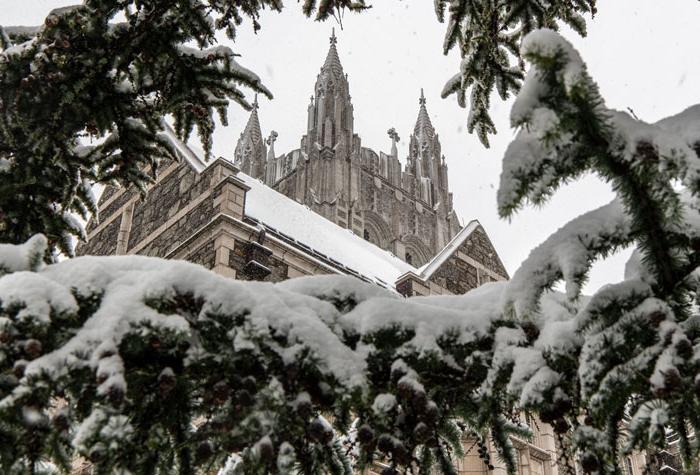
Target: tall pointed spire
x,y
249,154
423,124
332,62
252,128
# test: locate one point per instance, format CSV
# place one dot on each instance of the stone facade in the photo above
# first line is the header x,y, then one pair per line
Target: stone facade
x,y
404,209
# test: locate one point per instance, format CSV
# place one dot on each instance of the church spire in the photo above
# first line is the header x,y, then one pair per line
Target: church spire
x,y
252,128
332,62
249,155
423,125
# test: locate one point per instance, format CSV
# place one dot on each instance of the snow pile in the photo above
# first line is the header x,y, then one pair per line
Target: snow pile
x,y
23,257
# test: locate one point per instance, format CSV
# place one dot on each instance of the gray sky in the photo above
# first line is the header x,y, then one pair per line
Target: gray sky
x,y
643,53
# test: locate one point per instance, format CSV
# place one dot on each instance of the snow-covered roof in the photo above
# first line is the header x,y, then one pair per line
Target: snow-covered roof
x,y
284,215
311,231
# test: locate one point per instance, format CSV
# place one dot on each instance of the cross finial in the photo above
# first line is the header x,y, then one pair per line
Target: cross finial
x,y
334,40
255,103
393,135
271,139
422,97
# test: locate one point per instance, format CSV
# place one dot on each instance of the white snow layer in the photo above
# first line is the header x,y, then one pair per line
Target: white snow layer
x,y
566,254
299,309
294,219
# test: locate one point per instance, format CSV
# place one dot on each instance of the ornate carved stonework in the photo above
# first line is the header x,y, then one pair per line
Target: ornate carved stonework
x,y
404,209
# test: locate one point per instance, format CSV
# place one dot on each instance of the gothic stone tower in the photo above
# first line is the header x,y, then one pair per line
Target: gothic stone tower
x,y
250,153
406,210
324,172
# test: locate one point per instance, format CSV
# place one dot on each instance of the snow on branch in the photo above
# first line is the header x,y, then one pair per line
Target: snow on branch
x,y
567,254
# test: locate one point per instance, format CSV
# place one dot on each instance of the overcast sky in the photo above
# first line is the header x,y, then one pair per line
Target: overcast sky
x,y
643,53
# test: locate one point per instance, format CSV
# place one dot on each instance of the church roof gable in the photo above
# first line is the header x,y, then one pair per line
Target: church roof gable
x,y
474,227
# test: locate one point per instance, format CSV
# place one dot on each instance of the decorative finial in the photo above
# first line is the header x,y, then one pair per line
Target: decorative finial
x,y
421,101
393,135
255,103
271,139
312,99
334,40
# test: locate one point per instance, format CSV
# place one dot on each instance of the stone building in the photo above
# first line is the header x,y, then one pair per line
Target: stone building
x,y
330,206
405,210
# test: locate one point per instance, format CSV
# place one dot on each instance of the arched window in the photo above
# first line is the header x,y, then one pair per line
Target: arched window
x,y
409,258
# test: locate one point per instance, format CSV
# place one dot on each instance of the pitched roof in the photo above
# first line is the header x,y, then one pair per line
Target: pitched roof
x,y
299,223
317,235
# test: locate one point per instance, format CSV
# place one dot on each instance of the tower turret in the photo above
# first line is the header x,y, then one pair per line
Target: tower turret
x,y
330,114
250,152
271,163
425,160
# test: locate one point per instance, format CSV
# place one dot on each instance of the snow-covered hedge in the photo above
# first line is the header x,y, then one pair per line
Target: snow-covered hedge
x,y
143,365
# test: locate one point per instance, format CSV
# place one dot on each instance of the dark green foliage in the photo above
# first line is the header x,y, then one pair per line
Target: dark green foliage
x,y
184,380
488,34
82,101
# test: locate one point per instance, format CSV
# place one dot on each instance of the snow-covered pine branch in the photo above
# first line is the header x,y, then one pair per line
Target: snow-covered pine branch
x,y
82,74
155,361
631,346
488,35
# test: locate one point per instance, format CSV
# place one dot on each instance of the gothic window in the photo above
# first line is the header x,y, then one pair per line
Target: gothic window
x,y
366,235
409,258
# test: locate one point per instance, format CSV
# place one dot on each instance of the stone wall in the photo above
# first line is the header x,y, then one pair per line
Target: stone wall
x,y
392,205
204,256
172,194
478,246
240,258
181,197
104,242
456,276
176,233
474,263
